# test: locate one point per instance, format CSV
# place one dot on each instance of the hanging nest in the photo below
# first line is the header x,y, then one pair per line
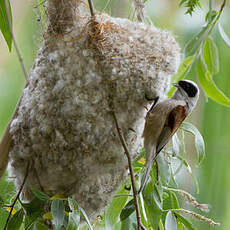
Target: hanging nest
x,y
63,127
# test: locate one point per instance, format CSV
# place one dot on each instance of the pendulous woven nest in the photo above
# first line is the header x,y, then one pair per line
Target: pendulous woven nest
x,y
64,127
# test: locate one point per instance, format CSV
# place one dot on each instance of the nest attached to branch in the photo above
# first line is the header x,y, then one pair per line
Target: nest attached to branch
x,y
63,126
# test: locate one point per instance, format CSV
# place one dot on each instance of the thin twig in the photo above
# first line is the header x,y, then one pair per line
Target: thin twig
x,y
14,41
139,8
91,7
139,225
17,197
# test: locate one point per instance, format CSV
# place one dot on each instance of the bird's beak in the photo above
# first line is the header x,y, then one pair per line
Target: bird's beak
x,y
175,84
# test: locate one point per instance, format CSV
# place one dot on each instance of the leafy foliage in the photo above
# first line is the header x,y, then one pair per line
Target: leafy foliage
x,y
4,23
202,52
191,5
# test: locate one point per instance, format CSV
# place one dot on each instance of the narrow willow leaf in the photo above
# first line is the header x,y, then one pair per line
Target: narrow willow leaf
x,y
170,221
175,144
180,225
199,141
174,200
41,226
1,202
185,222
181,73
224,35
209,86
211,15
85,218
127,210
129,223
161,226
16,220
194,44
211,56
142,210
113,212
4,24
188,167
74,216
153,202
57,210
40,195
34,210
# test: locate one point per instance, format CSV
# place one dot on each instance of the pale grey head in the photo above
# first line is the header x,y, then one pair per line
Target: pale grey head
x,y
187,91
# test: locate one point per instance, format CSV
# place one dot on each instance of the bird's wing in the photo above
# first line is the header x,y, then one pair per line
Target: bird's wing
x,y
173,122
154,124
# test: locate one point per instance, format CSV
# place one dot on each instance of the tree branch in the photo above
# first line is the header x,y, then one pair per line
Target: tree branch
x,y
139,225
17,197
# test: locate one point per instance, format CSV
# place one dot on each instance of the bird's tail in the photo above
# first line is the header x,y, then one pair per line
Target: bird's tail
x,y
149,163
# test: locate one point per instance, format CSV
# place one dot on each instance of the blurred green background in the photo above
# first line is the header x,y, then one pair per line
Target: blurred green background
x,y
212,119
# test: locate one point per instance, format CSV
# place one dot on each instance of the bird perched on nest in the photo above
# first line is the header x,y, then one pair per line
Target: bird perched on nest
x,y
163,120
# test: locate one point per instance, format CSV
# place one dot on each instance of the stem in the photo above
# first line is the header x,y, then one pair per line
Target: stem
x,y
14,41
139,225
139,8
17,197
91,7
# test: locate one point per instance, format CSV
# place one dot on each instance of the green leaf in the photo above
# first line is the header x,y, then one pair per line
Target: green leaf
x,y
211,15
85,218
153,202
170,221
129,223
190,5
163,167
211,56
74,216
174,200
1,202
199,141
209,86
161,226
16,220
113,212
224,35
185,222
187,166
40,195
41,226
34,210
127,210
194,44
181,73
57,210
4,24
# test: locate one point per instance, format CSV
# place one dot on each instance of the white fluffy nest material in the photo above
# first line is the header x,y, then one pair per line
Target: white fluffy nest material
x,y
64,126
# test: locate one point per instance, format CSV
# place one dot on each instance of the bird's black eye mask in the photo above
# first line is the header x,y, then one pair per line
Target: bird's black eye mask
x,y
189,88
